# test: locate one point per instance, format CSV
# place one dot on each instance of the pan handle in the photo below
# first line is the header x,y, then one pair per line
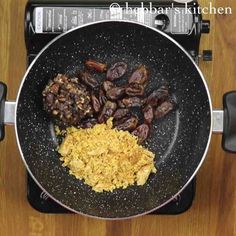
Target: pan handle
x,y
7,110
3,94
229,128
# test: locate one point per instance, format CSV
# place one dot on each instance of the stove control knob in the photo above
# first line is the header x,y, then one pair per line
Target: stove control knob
x,y
161,22
205,26
207,55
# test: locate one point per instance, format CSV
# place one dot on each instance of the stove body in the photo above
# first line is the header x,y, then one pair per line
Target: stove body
x,y
44,20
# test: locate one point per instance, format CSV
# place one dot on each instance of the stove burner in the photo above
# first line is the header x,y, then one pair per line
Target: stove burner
x,y
40,201
186,29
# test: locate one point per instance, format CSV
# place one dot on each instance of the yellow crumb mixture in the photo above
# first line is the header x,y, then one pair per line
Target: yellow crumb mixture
x,y
106,158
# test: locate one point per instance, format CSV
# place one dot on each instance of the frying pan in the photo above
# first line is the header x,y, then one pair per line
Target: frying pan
x,y
180,141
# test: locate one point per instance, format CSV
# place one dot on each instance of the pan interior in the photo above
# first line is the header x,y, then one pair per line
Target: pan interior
x,y
179,140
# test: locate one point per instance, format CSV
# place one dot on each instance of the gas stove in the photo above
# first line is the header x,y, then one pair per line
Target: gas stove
x,y
44,20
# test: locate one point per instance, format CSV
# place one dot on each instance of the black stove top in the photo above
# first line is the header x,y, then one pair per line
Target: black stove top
x,y
45,20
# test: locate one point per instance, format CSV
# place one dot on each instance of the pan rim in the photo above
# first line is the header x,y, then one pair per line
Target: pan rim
x,y
203,80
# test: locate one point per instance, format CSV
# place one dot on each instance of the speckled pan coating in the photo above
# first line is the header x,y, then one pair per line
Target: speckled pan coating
x,y
179,140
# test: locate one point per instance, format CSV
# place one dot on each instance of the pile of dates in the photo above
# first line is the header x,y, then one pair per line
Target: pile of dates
x,y
84,101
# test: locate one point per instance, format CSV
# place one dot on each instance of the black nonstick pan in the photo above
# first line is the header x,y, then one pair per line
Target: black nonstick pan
x,y
180,140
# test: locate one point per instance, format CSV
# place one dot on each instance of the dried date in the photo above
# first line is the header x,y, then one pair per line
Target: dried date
x,y
142,132
134,90
120,113
116,71
102,98
158,96
115,93
128,123
148,114
164,108
97,66
107,85
89,80
131,102
139,76
95,102
107,111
